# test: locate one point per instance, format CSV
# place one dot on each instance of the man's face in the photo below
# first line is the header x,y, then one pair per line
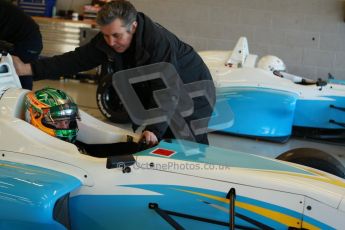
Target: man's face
x,y
62,124
117,36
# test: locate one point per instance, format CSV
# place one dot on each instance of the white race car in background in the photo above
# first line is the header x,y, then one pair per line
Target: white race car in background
x,y
46,183
268,103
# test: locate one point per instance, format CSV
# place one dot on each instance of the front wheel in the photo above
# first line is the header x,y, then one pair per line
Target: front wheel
x,y
109,102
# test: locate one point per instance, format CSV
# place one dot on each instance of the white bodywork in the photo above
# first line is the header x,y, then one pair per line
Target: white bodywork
x,y
243,72
225,76
20,142
23,143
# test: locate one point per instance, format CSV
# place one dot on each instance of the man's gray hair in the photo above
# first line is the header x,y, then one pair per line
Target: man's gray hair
x,y
118,9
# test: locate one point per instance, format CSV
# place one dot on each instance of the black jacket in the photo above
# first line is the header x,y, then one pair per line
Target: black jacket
x,y
151,43
21,30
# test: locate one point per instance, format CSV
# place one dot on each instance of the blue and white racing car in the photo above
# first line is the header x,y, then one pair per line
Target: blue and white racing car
x,y
47,183
268,103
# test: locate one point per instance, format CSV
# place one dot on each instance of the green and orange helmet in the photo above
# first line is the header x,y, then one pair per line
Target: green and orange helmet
x,y
54,112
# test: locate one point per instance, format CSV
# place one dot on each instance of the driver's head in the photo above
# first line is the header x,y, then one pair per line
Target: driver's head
x,y
54,112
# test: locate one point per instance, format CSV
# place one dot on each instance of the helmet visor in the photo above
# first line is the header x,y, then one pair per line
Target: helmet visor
x,y
68,110
62,117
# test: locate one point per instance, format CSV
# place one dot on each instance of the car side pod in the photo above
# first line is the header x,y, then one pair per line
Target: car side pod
x,y
34,197
342,124
253,116
166,214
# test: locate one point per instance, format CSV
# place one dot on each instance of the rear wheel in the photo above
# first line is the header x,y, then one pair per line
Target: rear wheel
x,y
109,102
314,158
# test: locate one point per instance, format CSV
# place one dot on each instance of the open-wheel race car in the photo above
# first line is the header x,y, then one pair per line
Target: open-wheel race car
x,y
269,103
106,181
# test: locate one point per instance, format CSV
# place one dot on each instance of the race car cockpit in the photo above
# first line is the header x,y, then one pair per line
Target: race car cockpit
x,y
55,113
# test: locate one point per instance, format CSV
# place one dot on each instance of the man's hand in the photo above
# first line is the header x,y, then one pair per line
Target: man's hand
x,y
150,138
22,69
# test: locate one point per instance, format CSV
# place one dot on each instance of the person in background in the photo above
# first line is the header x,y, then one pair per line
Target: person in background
x,y
130,39
23,32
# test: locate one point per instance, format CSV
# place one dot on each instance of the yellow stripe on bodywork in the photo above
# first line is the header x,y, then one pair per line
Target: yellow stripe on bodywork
x,y
323,176
318,176
306,225
270,214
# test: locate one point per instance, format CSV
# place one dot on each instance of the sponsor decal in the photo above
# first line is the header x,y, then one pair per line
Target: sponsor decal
x,y
163,152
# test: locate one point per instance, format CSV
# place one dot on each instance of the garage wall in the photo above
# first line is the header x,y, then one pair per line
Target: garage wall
x,y
76,5
309,35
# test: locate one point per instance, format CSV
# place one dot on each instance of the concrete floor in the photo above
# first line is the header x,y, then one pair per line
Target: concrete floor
x,y
85,96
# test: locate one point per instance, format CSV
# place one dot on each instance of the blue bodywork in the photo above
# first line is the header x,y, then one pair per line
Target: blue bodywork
x,y
336,81
318,113
107,215
114,211
259,112
28,195
272,114
218,156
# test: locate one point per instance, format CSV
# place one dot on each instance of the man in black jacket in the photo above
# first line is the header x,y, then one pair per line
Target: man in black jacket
x,y
130,39
22,31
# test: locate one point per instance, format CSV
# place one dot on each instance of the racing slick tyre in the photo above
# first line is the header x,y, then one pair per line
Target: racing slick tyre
x,y
314,158
109,102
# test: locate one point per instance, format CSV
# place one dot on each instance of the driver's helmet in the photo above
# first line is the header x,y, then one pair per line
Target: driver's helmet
x,y
54,112
271,63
